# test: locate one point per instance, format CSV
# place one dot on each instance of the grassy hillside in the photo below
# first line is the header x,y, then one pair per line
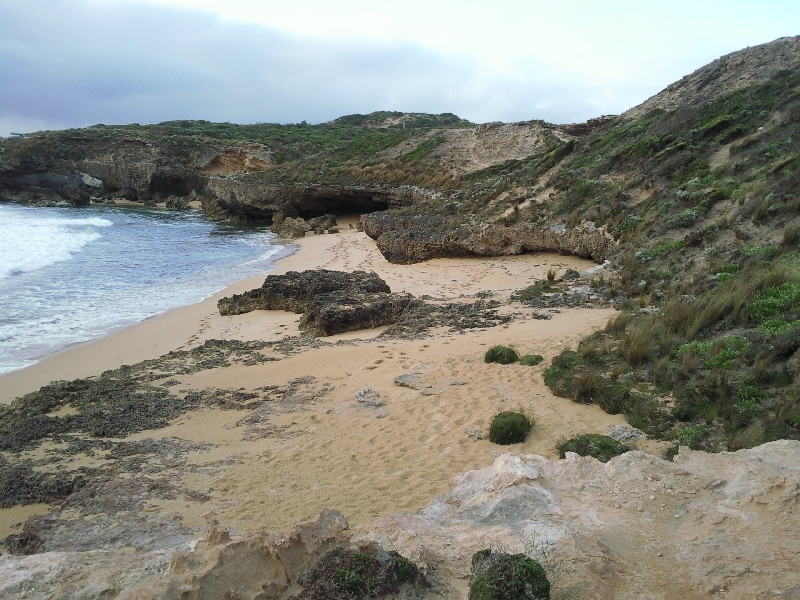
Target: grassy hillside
x,y
705,203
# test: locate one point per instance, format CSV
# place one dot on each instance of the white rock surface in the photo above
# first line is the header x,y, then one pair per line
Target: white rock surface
x,y
706,526
624,434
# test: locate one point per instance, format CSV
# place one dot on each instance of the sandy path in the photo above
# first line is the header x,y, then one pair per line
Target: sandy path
x,y
320,448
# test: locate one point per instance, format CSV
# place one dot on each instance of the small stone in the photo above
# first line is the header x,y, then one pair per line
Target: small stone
x,y
475,434
652,497
369,397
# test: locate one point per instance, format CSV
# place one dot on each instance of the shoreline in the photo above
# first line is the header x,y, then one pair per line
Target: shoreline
x,y
84,359
90,247
310,445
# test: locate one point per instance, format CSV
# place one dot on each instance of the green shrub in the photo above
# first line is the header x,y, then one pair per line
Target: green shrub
x,y
771,301
531,360
601,447
345,574
671,453
352,582
509,428
502,576
501,354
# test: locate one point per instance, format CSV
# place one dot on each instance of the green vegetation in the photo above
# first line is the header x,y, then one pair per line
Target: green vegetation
x,y
502,576
509,428
704,202
601,447
424,148
501,354
531,360
344,151
720,352
347,575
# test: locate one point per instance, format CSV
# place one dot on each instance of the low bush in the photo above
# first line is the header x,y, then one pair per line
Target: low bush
x,y
502,576
601,447
501,354
509,428
531,360
344,575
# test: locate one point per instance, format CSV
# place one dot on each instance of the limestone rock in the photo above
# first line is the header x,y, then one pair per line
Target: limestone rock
x,y
369,397
218,566
624,434
622,529
405,240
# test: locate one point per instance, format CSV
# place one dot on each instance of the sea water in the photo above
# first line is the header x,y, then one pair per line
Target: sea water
x,y
70,275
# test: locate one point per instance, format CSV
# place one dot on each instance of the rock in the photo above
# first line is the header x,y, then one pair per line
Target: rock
x,y
177,203
624,434
409,380
295,291
597,519
476,434
322,224
291,228
217,566
245,201
411,239
369,397
91,181
331,301
571,274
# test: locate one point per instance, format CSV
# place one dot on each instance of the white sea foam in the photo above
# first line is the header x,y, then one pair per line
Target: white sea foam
x,y
67,279
28,244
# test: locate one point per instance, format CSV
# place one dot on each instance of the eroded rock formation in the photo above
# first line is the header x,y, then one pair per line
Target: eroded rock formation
x,y
331,302
215,567
412,239
707,525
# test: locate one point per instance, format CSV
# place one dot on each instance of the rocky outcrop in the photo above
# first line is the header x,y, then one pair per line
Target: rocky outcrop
x,y
217,566
331,302
246,201
407,240
46,188
707,525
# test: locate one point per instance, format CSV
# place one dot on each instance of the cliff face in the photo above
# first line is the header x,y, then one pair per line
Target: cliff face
x,y
660,173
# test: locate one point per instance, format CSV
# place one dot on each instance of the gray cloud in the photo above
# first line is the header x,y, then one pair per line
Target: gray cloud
x,y
75,63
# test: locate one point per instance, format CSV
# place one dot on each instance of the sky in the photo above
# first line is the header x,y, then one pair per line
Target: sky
x,y
73,63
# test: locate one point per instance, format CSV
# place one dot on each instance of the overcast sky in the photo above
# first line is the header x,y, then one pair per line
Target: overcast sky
x,y
70,63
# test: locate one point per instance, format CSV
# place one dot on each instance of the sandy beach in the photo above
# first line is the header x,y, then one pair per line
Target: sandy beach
x,y
317,447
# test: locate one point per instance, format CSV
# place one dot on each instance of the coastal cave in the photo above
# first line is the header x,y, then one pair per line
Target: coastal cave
x,y
310,205
170,183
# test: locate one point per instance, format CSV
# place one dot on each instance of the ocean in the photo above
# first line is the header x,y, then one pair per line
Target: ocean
x,y
70,275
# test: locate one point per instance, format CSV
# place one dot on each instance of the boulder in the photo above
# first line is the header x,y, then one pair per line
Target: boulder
x,y
331,302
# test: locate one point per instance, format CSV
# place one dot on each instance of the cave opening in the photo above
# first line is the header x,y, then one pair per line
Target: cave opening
x,y
309,206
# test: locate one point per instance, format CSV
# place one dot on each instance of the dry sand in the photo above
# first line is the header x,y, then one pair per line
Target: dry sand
x,y
320,448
